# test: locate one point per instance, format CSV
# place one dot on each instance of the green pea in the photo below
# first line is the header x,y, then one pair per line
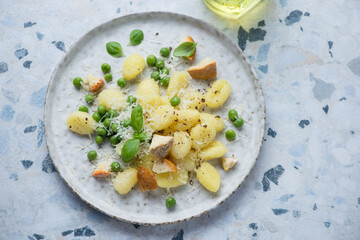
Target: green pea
x,y
101,131
230,135
83,108
233,115
159,63
239,122
119,138
174,101
114,140
165,71
107,122
92,155
164,52
102,110
115,127
96,116
112,113
170,202
155,75
89,98
151,60
77,81
141,136
121,82
108,77
115,167
99,139
164,81
131,99
105,67
126,123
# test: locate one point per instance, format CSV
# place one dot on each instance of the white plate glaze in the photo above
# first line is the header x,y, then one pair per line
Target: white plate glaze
x,y
87,55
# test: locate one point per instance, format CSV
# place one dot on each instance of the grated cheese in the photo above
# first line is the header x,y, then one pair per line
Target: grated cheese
x,y
109,202
80,147
73,171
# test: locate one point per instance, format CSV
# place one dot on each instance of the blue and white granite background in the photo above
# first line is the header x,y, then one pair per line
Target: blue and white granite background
x,y
305,184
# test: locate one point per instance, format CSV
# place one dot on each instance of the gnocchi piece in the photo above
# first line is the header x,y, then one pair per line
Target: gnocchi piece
x,y
168,132
172,179
186,119
209,177
148,92
148,86
81,123
214,150
146,161
211,119
188,162
165,100
178,81
181,145
202,135
191,100
125,181
133,66
163,117
111,99
218,93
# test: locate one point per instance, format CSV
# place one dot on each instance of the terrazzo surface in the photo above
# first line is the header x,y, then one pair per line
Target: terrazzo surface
x,y
305,184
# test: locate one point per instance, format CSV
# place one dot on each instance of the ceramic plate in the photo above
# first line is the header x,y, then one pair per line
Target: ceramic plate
x,y
68,150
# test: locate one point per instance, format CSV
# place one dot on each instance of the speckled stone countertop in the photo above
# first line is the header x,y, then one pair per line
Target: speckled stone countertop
x,y
305,184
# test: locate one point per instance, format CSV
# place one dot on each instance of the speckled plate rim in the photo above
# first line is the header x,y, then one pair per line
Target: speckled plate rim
x,y
256,83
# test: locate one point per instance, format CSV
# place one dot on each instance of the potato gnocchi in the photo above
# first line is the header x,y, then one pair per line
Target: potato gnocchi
x,y
163,117
81,123
169,141
218,93
111,99
214,150
212,120
133,66
148,93
185,119
201,135
178,81
181,145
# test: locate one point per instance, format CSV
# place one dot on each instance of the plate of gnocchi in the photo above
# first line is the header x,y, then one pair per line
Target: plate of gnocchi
x,y
150,114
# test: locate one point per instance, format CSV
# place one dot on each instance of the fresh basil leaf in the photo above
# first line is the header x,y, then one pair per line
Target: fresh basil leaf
x,y
114,49
137,118
136,37
186,49
130,149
